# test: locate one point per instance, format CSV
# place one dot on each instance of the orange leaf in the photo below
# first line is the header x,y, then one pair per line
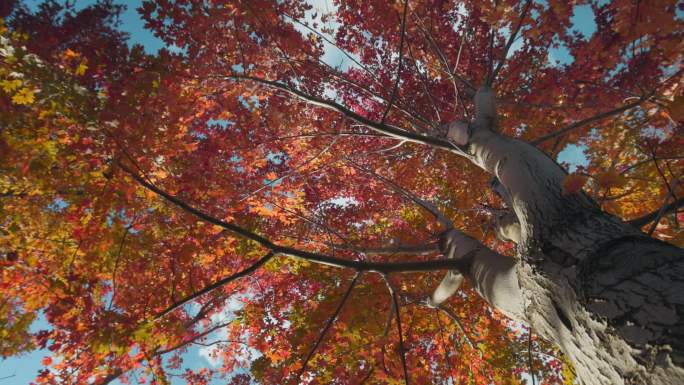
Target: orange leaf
x,y
573,183
611,178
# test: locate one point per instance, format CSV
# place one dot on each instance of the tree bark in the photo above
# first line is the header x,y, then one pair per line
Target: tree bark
x,y
609,296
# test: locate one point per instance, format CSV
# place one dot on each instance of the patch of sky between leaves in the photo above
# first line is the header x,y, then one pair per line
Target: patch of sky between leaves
x,y
130,19
583,21
573,155
228,313
24,368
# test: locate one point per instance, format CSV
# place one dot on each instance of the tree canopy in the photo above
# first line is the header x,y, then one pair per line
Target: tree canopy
x,y
275,185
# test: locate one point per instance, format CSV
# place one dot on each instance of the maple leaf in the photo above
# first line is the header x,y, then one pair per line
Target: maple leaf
x,y
24,96
140,192
81,69
573,183
10,85
611,178
69,54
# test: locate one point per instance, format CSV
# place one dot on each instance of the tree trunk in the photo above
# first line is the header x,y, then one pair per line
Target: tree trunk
x,y
611,297
616,313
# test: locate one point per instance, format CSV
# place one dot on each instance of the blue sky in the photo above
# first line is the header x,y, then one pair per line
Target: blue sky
x,y
23,369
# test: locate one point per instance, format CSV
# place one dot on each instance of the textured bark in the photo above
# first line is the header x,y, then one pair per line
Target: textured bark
x,y
608,295
493,275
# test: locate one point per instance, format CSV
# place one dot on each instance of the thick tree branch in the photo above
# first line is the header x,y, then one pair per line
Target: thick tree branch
x,y
426,249
387,129
446,288
511,39
378,267
223,281
668,208
586,121
492,275
327,326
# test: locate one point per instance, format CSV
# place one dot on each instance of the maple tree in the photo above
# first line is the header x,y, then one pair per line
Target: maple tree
x,y
398,219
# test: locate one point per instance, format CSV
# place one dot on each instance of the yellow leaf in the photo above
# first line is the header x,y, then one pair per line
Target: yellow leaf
x,y
24,96
81,69
10,85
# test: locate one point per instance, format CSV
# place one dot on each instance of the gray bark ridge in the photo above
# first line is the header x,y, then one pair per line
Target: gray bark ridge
x,y
609,296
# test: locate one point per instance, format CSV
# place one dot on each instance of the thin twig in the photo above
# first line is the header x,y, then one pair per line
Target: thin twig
x,y
423,82
378,267
388,324
445,346
395,304
411,196
116,265
511,39
529,356
459,325
327,326
586,121
387,129
401,57
291,172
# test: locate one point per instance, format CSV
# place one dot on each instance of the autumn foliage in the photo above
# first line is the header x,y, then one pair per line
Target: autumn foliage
x,y
223,121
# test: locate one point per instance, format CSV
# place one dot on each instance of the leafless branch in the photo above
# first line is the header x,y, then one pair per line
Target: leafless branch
x,y
292,171
529,357
615,111
423,82
339,76
469,87
444,345
116,264
661,212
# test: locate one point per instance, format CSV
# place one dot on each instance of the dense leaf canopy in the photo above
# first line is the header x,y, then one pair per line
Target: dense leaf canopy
x,y
276,133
